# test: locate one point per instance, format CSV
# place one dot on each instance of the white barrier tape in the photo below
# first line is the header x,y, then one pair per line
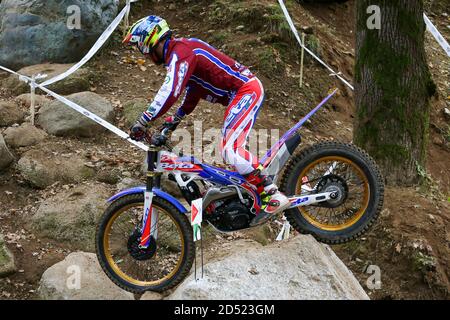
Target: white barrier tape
x,y
127,15
80,109
437,35
100,42
294,30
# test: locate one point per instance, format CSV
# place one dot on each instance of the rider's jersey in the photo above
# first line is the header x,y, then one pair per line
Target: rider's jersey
x,y
203,71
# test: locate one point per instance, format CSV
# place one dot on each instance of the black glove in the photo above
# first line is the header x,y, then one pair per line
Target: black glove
x,y
172,122
138,131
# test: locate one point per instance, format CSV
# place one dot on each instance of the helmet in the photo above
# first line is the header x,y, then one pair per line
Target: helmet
x,y
147,33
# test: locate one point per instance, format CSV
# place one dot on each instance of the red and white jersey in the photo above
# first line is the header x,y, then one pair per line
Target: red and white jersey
x,y
203,71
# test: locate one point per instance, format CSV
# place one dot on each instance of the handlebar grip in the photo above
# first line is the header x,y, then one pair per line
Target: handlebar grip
x,y
158,140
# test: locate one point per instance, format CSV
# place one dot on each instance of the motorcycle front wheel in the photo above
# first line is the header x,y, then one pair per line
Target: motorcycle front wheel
x,y
168,258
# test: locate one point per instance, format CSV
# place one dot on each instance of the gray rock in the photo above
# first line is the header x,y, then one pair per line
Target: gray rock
x,y
77,82
109,176
61,281
25,99
152,296
133,109
58,119
24,136
127,183
170,187
447,113
10,113
300,268
7,265
43,169
36,31
72,215
6,157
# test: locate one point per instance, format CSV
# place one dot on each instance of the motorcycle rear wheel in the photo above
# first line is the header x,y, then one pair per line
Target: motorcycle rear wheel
x,y
355,173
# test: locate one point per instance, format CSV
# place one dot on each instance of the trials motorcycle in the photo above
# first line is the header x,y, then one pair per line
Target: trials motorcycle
x,y
145,239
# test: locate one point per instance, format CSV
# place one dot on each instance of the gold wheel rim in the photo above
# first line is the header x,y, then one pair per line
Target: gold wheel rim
x,y
119,271
356,217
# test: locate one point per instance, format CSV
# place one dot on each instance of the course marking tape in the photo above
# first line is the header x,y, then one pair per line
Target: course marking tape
x,y
437,35
294,30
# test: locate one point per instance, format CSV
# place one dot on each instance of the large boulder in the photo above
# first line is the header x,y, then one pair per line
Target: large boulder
x,y
72,215
77,82
58,119
42,168
24,136
7,265
37,31
6,158
10,113
300,268
79,277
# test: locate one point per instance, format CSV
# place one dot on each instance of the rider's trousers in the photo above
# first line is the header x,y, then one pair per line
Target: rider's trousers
x,y
239,119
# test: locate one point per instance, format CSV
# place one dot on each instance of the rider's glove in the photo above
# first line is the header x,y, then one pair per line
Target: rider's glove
x,y
172,122
138,130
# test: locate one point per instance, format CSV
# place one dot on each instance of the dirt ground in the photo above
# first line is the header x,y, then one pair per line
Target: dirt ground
x,y
410,243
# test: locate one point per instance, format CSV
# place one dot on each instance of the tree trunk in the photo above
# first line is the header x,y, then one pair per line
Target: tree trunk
x,y
393,88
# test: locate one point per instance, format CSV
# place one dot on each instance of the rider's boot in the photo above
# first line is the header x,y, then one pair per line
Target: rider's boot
x,y
273,201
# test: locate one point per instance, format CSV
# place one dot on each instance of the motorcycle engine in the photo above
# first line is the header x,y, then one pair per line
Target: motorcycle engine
x,y
230,215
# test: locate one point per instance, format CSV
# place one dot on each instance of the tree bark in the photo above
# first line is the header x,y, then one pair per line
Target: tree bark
x,y
393,88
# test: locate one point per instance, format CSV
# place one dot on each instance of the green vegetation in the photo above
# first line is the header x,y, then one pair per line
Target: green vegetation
x,y
423,262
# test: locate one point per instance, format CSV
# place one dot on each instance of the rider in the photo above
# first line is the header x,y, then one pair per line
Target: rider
x,y
205,73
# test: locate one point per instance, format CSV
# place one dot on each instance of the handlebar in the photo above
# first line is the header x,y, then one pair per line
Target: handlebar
x,y
158,139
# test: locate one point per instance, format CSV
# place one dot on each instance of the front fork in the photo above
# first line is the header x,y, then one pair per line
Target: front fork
x,y
151,216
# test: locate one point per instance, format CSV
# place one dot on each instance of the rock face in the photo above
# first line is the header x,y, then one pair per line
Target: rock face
x,y
29,34
61,281
72,215
77,82
10,113
43,169
5,155
58,119
300,268
7,265
24,136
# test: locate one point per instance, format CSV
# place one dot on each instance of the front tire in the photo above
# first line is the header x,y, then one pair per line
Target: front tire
x,y
296,176
108,251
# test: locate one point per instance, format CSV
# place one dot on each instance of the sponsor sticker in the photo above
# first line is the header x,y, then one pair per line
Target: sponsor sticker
x,y
196,218
181,75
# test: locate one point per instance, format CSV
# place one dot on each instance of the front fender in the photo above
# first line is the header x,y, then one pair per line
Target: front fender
x,y
157,192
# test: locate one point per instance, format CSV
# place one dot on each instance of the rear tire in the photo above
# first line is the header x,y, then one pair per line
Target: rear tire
x,y
358,157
